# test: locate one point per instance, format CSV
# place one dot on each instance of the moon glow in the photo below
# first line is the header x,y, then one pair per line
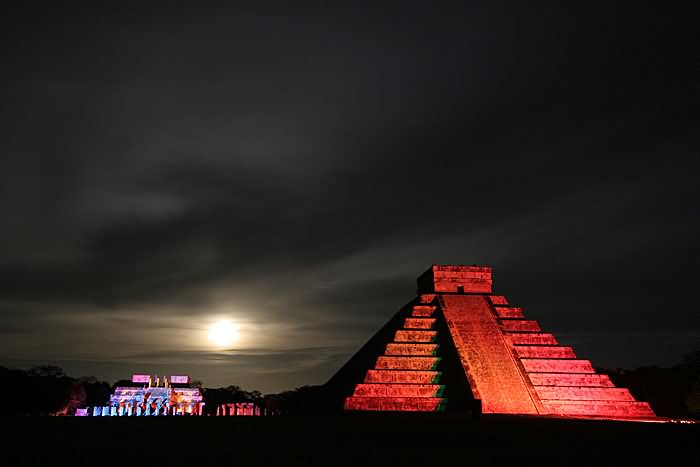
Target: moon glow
x,y
222,333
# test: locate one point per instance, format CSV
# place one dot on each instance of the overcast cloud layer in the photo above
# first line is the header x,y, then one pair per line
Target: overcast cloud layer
x,y
295,169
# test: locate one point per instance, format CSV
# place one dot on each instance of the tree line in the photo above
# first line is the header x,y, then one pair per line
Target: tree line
x,y
672,392
48,390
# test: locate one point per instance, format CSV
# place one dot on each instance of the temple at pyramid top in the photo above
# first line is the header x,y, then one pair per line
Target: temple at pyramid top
x,y
455,279
457,347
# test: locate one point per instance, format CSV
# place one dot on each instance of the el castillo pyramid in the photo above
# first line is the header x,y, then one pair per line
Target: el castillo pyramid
x,y
457,346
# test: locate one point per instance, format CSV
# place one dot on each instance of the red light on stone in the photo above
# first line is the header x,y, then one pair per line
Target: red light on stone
x,y
427,298
599,409
531,338
404,378
456,279
570,379
407,363
411,349
398,404
415,336
398,390
498,300
512,367
540,365
422,310
400,376
513,325
419,323
486,357
583,393
507,312
535,351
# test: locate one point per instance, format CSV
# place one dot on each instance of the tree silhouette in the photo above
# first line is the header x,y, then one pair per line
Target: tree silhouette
x,y
51,371
195,383
693,401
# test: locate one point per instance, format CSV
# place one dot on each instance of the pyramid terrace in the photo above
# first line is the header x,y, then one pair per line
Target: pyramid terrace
x,y
458,347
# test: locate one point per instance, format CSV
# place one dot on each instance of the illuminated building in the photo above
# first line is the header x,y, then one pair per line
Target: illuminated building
x,y
457,347
148,398
240,409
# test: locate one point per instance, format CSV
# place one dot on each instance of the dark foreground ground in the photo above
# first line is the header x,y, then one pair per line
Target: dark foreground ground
x,y
352,440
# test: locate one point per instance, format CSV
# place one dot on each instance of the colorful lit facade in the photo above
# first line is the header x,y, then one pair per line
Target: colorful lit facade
x,y
148,397
459,347
241,409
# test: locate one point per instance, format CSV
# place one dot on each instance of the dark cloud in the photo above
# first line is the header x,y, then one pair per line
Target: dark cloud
x,y
257,368
248,360
296,168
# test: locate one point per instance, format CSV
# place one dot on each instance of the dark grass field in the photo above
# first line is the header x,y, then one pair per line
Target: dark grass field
x,y
350,440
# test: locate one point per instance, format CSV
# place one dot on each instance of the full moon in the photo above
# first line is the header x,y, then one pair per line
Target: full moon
x,y
222,333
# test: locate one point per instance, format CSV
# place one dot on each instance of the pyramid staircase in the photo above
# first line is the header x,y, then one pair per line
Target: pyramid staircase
x,y
563,384
406,377
511,366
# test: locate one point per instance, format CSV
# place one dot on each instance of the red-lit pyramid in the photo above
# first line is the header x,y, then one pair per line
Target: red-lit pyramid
x,y
456,344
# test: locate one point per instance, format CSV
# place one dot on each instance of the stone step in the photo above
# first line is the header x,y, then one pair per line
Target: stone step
x,y
415,336
423,310
463,285
519,325
401,404
419,323
398,390
599,408
545,365
508,312
407,363
411,349
570,379
403,376
427,298
459,275
532,338
583,393
544,351
498,300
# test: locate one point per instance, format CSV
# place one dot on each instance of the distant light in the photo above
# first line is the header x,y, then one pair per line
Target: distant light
x,y
180,379
223,333
139,378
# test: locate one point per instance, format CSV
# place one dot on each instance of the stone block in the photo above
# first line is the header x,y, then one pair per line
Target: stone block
x,y
455,279
531,338
407,363
584,393
570,379
519,325
400,404
599,408
541,365
423,310
419,323
403,376
544,351
415,336
426,298
411,349
509,312
398,390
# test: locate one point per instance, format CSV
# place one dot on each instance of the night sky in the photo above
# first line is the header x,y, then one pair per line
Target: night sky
x,y
294,170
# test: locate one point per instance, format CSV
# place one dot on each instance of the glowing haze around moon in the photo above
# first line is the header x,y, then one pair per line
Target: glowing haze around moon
x,y
222,333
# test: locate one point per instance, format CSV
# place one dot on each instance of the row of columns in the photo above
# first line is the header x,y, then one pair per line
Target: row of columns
x,y
153,409
240,409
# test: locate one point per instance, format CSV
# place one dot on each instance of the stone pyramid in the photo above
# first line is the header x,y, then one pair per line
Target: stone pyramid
x,y
457,346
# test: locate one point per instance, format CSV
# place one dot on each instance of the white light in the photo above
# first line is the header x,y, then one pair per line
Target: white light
x,y
223,333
